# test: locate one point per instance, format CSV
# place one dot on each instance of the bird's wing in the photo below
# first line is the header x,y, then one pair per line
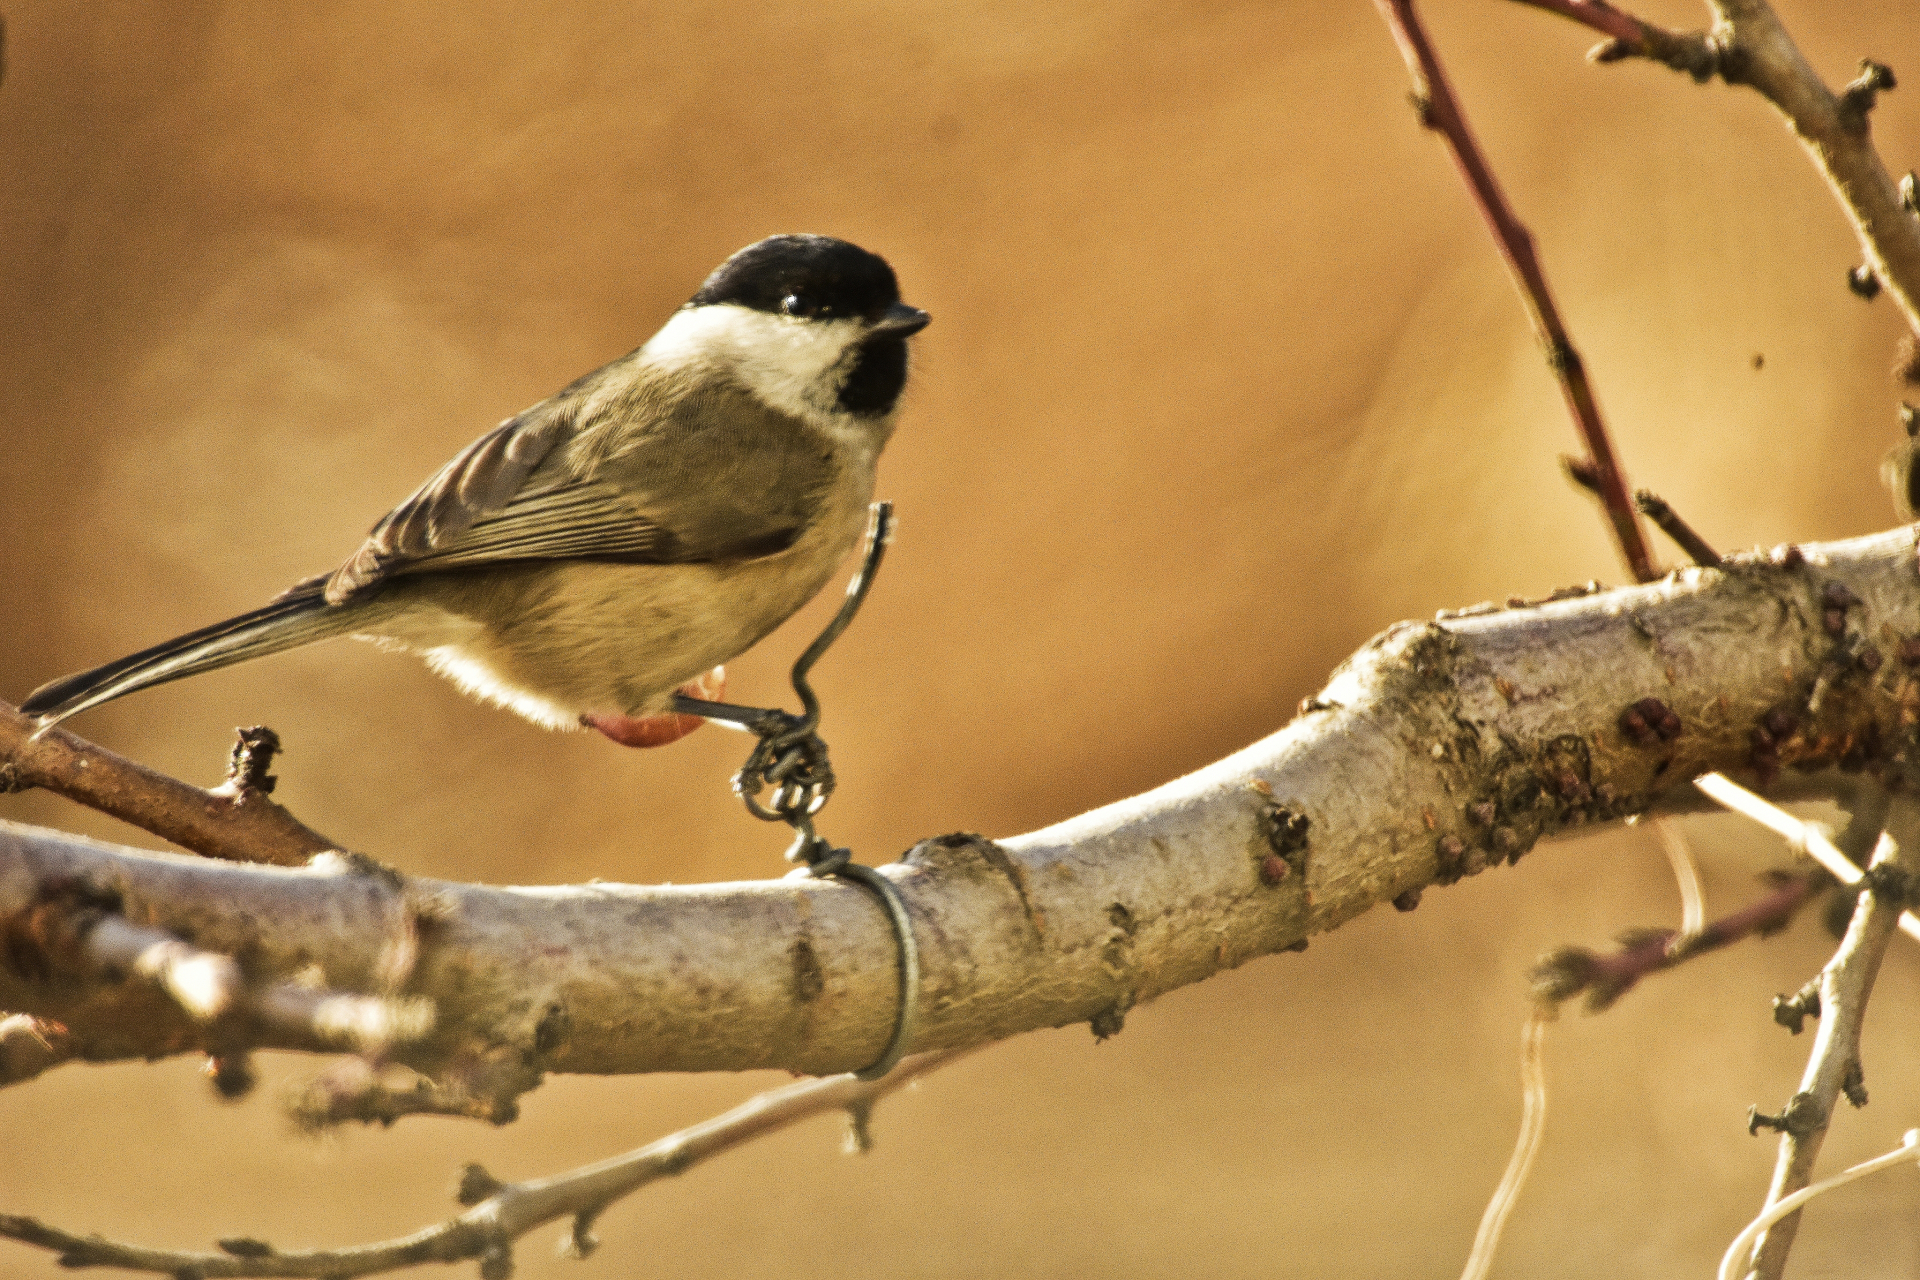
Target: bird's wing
x,y
604,472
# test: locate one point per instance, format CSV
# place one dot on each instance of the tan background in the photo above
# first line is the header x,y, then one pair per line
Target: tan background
x,y
1224,377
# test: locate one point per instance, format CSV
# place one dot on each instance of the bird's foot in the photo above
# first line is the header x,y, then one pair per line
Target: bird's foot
x,y
658,731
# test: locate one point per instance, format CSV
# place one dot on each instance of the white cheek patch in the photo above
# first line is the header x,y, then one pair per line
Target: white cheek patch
x,y
794,366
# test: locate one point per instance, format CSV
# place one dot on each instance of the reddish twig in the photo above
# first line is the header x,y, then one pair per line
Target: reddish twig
x,y
1661,512
1563,974
1693,52
1440,111
237,821
1748,45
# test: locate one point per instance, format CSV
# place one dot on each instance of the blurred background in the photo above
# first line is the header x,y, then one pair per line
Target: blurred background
x,y
1224,377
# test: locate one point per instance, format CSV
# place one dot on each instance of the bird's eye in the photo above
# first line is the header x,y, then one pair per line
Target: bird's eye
x,y
795,304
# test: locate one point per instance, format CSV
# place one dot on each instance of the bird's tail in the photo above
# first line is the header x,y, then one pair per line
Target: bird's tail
x,y
300,616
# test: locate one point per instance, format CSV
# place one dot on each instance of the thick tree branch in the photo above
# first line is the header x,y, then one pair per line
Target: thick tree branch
x,y
1748,45
237,821
502,1212
1439,750
1441,112
76,935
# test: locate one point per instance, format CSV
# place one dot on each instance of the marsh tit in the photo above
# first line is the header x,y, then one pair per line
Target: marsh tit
x,y
585,559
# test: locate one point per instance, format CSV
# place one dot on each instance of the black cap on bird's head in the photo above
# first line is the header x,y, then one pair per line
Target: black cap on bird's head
x,y
820,279
813,278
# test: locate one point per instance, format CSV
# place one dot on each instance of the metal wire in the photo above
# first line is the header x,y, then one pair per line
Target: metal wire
x,y
791,757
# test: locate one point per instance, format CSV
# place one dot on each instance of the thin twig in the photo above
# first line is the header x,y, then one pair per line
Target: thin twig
x,y
1801,835
1661,512
1441,112
1582,473
1560,975
1749,45
1737,1251
1693,52
476,1085
237,821
248,767
75,933
1533,1126
501,1212
1833,1065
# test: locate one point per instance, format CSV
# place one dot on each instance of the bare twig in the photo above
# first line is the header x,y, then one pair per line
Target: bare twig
x,y
237,821
1737,1251
501,1212
74,933
1806,836
1834,130
247,768
483,1084
1629,37
1657,509
1533,1126
1569,971
211,988
1833,1066
1582,473
1441,112
1748,45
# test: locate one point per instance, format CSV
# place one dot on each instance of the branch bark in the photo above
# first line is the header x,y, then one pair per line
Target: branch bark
x,y
1439,750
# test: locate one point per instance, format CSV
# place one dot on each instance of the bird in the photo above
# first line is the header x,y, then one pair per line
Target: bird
x,y
623,539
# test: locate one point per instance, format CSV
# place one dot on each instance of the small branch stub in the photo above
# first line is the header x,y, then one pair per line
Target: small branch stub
x,y
253,753
1658,510
1862,94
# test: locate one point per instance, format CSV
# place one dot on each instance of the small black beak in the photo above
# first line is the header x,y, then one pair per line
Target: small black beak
x,y
900,321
